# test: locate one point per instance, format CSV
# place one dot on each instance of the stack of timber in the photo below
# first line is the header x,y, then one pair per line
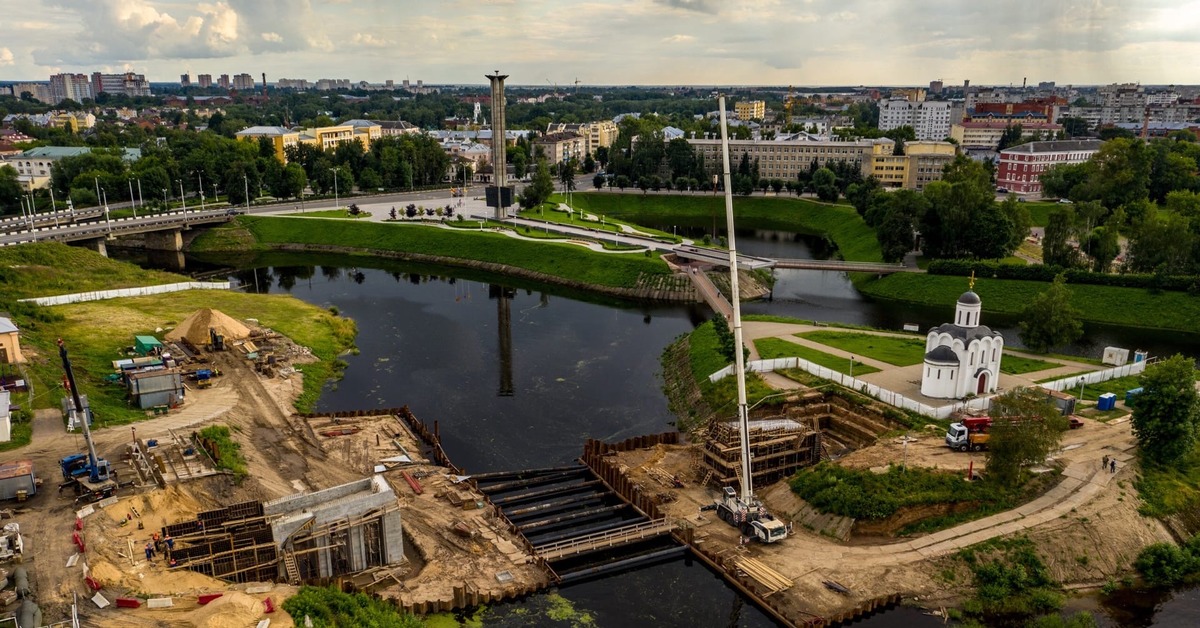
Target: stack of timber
x,y
772,581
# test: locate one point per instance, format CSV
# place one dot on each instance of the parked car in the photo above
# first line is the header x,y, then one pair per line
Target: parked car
x,y
1002,190
1064,201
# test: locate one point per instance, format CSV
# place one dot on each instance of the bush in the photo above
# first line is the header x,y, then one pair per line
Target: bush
x,y
1168,565
330,608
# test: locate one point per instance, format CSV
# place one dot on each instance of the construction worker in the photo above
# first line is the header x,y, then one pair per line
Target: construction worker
x,y
149,551
157,542
170,542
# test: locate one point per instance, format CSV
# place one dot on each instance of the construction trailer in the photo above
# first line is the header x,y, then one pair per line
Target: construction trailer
x,y
305,537
148,389
778,446
17,480
147,345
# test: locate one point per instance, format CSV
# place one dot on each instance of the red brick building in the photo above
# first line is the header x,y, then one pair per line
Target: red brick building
x,y
1021,167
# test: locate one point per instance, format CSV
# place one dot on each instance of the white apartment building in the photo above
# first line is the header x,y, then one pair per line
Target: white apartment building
x,y
931,119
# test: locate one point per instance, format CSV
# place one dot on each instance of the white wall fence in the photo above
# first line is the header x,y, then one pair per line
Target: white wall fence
x,y
100,295
1095,377
900,401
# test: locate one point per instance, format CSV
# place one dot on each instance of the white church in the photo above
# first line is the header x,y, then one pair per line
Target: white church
x,y
962,358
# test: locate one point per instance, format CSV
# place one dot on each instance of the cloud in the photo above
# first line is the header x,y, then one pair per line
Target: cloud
x,y
368,40
700,6
272,37
679,39
6,57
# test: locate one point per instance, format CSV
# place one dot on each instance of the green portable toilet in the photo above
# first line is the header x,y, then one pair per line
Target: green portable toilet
x,y
146,345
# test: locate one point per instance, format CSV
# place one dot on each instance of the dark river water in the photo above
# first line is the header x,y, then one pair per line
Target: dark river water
x,y
518,376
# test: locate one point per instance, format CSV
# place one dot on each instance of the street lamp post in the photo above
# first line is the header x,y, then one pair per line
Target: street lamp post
x,y
183,199
132,201
166,203
53,207
141,201
107,219
335,187
246,193
851,366
200,178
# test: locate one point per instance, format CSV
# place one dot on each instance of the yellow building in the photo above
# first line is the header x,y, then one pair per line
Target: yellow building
x,y
326,137
73,121
921,163
10,343
280,137
750,109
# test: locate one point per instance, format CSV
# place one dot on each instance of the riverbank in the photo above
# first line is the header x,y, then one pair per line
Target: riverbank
x,y
639,275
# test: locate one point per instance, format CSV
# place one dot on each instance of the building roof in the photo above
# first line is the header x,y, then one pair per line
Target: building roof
x,y
7,326
358,123
564,136
58,152
16,469
998,123
263,130
965,334
396,124
969,298
942,355
1056,146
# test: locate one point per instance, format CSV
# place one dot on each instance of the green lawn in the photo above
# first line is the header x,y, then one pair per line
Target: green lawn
x,y
1167,490
854,239
552,258
1092,392
706,359
47,268
1039,212
549,213
1129,307
770,348
96,332
890,349
1017,365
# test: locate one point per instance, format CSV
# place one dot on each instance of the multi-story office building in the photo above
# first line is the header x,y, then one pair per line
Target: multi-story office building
x,y
597,134
750,109
69,86
39,91
562,147
128,83
298,84
986,134
930,119
1021,167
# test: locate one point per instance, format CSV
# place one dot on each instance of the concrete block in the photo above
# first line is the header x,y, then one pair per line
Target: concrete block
x,y
100,601
160,602
259,589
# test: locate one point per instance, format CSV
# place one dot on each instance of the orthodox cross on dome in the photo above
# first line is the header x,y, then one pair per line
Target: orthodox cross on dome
x,y
971,283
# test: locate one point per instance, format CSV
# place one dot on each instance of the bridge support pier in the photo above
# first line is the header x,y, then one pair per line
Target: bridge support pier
x,y
98,245
168,240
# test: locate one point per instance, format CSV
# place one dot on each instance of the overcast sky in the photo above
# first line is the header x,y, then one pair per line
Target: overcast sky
x,y
607,42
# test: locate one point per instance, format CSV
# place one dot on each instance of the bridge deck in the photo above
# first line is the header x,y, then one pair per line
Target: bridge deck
x,y
604,540
852,267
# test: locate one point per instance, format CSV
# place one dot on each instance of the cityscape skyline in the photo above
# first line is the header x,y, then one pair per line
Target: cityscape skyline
x,y
684,42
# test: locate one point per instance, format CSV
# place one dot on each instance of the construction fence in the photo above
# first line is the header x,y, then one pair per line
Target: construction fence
x,y
900,401
141,291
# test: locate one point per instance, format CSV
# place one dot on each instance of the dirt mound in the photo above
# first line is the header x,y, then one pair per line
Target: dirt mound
x,y
232,610
195,327
105,573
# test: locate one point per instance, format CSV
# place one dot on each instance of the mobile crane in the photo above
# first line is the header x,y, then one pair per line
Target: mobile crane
x,y
743,511
91,476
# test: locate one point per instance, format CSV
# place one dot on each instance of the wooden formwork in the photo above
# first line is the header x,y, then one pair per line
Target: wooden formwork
x,y
777,448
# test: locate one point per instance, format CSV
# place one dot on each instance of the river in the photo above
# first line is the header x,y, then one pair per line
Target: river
x,y
520,377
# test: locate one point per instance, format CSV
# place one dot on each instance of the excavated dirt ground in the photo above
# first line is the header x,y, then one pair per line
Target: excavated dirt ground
x,y
1085,547
284,455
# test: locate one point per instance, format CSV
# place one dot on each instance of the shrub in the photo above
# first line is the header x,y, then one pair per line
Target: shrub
x,y
1047,273
1166,564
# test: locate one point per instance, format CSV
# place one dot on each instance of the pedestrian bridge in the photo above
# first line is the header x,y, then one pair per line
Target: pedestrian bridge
x,y
844,266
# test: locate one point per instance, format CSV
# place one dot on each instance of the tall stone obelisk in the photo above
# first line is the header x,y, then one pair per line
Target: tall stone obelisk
x,y
499,196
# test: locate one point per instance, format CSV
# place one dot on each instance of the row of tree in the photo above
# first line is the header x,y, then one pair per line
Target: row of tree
x,y
956,217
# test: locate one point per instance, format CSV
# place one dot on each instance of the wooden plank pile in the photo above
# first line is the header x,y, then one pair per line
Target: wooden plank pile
x,y
771,580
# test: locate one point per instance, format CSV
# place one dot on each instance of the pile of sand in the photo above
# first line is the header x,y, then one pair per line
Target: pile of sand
x,y
232,610
105,573
195,328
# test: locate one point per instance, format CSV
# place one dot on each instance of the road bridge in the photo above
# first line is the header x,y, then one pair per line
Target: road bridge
x,y
169,224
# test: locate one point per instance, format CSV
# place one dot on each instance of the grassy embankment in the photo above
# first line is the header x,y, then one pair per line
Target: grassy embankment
x,y
96,333
908,351
706,359
869,496
841,224
559,260
332,213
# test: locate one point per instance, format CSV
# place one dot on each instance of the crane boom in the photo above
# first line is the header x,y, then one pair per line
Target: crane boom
x,y
93,459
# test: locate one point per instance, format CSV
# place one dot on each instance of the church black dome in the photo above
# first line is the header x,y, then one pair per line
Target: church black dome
x,y
969,298
942,355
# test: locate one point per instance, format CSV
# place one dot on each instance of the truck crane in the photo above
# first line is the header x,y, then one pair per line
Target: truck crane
x,y
743,511
91,476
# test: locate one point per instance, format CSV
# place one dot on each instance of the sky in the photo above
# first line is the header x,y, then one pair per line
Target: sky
x,y
613,42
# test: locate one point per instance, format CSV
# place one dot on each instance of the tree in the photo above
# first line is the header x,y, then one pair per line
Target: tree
x,y
1010,137
1050,319
824,182
1056,250
1166,414
1025,428
566,175
10,190
896,216
540,187
598,181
